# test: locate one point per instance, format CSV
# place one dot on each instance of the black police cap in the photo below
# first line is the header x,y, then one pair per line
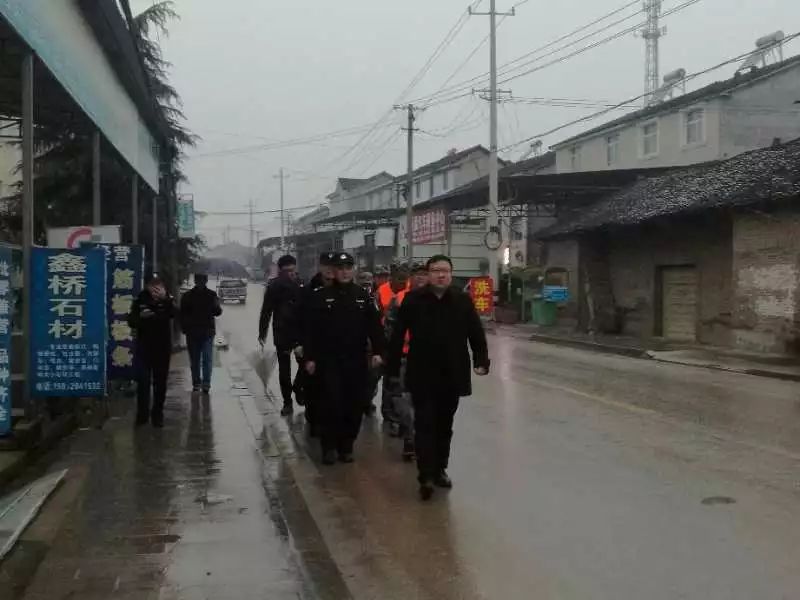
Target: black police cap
x,y
343,259
326,258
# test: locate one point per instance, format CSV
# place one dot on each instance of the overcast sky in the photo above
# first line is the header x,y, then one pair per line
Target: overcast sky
x,y
254,72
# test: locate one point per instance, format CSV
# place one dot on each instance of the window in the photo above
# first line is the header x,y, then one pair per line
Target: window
x,y
419,189
695,130
430,187
612,149
445,181
649,139
575,158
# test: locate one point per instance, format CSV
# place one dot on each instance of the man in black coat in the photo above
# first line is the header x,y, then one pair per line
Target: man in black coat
x,y
200,307
151,318
280,306
442,322
341,322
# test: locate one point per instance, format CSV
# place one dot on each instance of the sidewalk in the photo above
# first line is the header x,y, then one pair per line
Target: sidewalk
x,y
723,359
185,513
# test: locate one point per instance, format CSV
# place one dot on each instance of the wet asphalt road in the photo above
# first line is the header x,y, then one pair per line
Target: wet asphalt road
x,y
579,476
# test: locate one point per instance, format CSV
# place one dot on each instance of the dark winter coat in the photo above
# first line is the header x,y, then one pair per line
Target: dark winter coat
x,y
152,321
441,331
281,299
199,308
340,322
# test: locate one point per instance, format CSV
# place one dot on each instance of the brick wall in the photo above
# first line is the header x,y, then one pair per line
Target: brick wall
x,y
766,260
636,255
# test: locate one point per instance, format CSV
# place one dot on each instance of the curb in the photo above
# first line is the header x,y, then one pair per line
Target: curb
x,y
765,373
629,351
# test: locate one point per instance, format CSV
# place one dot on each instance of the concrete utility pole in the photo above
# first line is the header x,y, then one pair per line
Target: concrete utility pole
x,y
251,207
493,220
410,129
281,175
155,234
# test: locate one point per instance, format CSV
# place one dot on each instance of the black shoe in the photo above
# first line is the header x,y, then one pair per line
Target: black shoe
x,y
287,410
206,389
346,457
426,490
370,410
409,452
329,457
300,398
442,480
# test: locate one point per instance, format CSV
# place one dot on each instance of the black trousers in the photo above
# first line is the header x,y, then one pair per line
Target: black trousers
x,y
433,421
285,375
340,404
153,370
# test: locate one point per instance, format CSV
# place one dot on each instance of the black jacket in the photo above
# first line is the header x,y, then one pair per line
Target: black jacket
x,y
199,307
440,331
281,299
151,320
339,322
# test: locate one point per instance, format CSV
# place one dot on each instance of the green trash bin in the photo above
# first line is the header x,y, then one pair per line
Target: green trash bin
x,y
543,312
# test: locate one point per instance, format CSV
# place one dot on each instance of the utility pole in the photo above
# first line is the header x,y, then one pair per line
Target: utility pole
x,y
281,175
493,220
251,206
410,129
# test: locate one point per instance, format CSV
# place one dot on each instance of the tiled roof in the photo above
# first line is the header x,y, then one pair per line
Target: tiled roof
x,y
764,175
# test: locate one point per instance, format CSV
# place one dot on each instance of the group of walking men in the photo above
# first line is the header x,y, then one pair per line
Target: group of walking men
x,y
416,328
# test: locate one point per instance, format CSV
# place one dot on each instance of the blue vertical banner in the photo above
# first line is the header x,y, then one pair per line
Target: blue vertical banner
x,y
124,282
68,322
6,311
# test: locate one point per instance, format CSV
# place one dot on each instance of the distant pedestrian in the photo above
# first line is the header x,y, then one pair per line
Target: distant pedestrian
x,y
280,306
151,319
309,384
443,323
341,324
199,308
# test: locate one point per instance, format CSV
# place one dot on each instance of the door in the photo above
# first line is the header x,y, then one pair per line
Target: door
x,y
679,303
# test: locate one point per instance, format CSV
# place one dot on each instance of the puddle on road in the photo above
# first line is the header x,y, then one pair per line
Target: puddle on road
x,y
718,500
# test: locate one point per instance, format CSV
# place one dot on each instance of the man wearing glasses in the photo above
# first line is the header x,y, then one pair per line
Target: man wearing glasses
x,y
443,324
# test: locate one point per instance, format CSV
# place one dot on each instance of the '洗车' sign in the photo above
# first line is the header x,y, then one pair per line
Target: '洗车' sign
x,y
68,322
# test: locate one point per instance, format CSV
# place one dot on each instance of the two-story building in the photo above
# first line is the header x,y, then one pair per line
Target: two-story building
x,y
745,112
660,279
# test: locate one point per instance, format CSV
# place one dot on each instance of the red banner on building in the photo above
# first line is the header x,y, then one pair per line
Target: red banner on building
x,y
429,226
481,289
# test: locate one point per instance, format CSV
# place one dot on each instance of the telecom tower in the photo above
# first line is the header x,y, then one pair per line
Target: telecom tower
x,y
651,34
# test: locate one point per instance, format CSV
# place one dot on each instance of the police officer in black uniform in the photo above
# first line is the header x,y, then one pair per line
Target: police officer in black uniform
x,y
341,322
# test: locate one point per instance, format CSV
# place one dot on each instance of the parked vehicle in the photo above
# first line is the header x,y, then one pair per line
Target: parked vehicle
x,y
232,290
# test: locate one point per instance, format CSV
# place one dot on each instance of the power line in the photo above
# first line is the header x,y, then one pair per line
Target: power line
x,y
567,56
448,39
634,99
482,77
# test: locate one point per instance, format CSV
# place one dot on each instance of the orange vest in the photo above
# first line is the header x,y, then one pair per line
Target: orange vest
x,y
385,297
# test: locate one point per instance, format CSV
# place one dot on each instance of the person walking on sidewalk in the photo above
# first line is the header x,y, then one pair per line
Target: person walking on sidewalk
x,y
308,384
151,318
443,323
280,306
199,308
341,323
